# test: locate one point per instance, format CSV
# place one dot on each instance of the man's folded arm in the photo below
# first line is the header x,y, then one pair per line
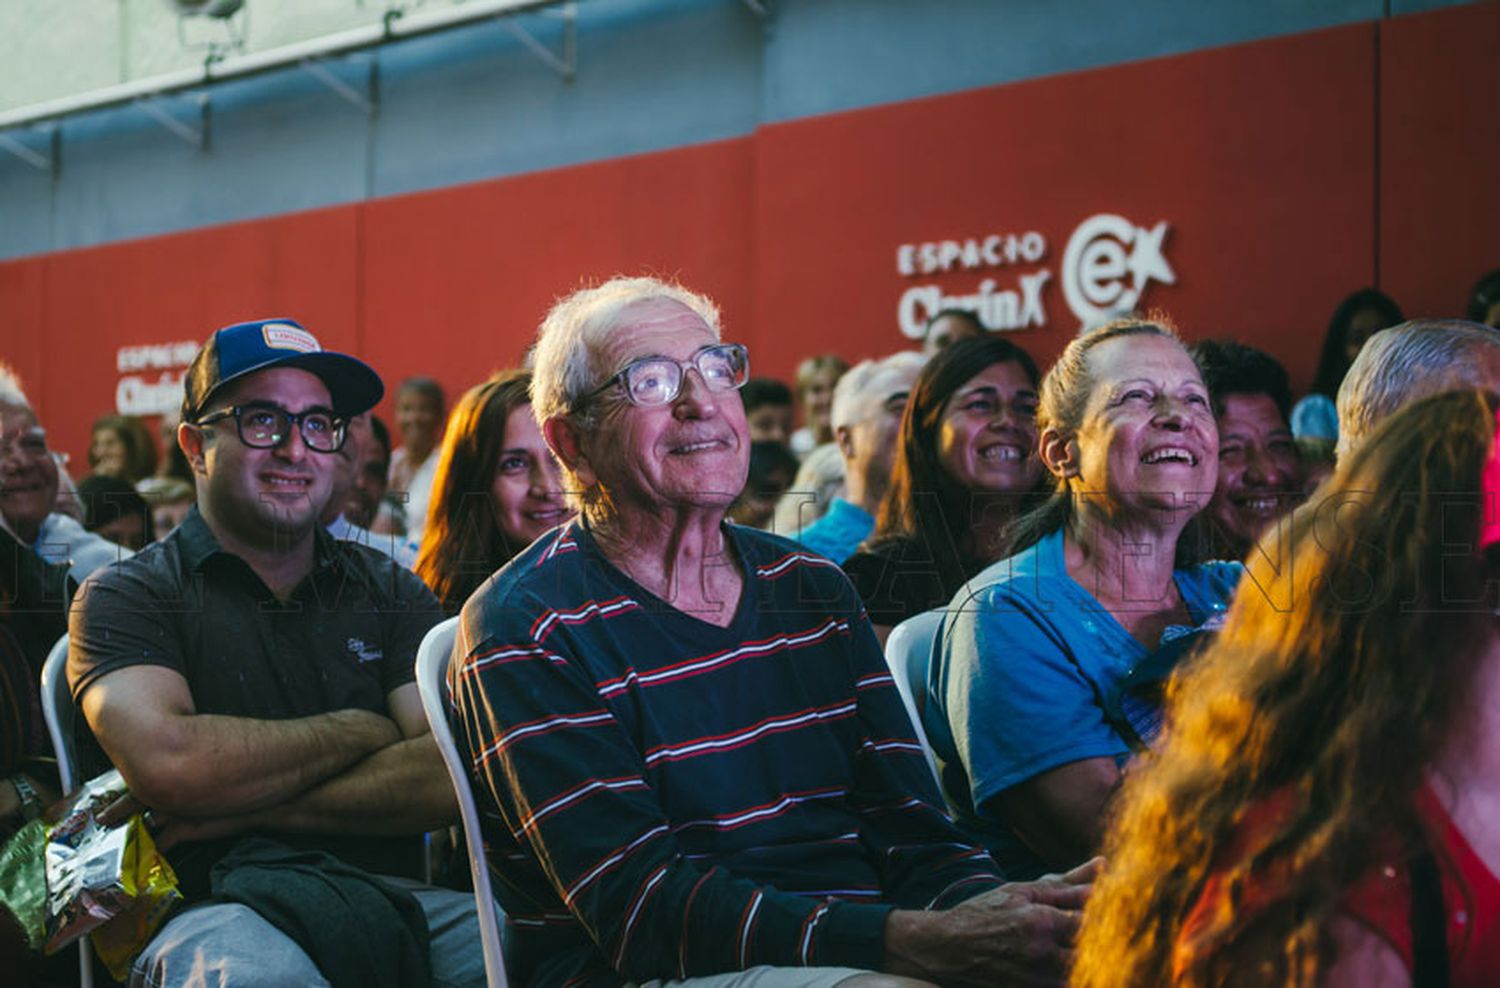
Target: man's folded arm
x,y
401,789
206,765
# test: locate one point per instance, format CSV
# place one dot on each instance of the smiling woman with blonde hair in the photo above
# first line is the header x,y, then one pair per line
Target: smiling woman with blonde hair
x,y
1024,696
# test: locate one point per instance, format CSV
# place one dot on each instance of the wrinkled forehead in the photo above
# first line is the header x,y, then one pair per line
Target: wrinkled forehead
x,y
655,327
1159,359
15,419
289,387
1251,408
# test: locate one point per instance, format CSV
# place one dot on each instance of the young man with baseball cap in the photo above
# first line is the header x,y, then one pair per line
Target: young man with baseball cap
x,y
252,679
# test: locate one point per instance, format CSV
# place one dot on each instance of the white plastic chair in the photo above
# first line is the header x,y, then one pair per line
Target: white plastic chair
x,y
61,716
908,651
433,656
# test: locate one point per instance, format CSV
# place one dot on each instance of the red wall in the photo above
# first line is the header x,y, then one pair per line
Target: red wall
x,y
1289,172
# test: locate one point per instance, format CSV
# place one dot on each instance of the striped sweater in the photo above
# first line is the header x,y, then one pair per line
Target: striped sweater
x,y
664,798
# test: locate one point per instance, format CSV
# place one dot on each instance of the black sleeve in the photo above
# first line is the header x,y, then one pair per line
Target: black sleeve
x,y
893,587
34,596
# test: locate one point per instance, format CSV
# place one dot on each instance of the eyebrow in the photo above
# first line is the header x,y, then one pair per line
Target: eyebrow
x,y
663,356
282,408
992,389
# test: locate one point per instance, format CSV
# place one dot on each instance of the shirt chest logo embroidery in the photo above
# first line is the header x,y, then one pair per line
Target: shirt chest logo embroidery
x,y
363,652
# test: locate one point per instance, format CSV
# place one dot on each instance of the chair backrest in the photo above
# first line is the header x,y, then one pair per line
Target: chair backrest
x,y
433,656
908,651
60,713
62,718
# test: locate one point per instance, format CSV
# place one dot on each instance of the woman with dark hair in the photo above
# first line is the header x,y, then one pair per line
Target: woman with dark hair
x,y
122,446
496,489
1324,808
1357,318
966,465
1023,696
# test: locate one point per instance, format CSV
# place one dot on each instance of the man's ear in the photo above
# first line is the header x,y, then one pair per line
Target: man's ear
x,y
1059,453
566,442
190,439
844,436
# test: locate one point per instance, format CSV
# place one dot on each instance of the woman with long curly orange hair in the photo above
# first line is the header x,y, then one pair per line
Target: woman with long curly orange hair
x,y
1325,809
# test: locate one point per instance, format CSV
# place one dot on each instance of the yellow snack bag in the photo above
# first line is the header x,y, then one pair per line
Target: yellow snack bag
x,y
110,882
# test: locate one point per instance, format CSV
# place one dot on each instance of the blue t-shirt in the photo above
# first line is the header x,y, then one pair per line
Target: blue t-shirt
x,y
839,532
1019,670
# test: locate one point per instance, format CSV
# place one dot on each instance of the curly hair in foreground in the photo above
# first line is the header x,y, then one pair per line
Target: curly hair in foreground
x,y
1336,680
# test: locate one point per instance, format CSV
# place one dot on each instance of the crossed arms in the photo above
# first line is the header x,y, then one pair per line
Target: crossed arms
x,y
346,771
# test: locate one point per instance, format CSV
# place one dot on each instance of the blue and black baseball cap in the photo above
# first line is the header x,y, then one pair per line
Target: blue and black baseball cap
x,y
247,347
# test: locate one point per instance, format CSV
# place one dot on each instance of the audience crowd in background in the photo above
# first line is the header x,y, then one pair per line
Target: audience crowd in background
x,y
1276,761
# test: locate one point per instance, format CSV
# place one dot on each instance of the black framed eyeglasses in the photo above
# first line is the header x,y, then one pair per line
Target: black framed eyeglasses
x,y
268,426
651,382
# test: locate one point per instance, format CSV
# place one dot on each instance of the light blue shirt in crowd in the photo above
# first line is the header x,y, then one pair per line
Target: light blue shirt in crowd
x,y
1021,668
401,550
61,539
839,532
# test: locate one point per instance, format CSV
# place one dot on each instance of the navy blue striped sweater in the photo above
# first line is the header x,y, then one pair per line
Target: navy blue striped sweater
x,y
665,798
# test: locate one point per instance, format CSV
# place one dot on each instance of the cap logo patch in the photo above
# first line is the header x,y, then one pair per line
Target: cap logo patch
x,y
280,336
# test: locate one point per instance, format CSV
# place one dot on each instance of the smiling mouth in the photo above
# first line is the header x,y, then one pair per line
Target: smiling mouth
x,y
293,484
688,449
1171,454
554,514
1003,454
1259,505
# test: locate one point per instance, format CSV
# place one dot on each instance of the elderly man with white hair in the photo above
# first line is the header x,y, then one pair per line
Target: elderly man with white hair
x,y
691,759
1418,358
867,406
29,481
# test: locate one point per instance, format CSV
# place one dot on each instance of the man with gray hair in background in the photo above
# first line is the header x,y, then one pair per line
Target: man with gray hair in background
x,y
1418,358
868,403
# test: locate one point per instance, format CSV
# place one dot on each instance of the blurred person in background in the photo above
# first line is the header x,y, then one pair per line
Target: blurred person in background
x,y
497,488
966,466
116,448
419,424
122,446
948,326
1035,651
352,463
1260,468
112,508
1355,320
30,481
867,406
816,377
819,480
773,467
1484,301
768,410
170,500
1324,809
362,503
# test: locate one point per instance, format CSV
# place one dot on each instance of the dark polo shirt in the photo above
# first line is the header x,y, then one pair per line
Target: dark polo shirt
x,y
346,637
